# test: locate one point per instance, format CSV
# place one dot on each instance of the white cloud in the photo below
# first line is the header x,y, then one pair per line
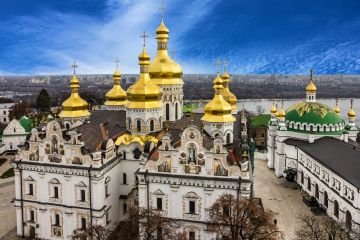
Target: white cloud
x,y
55,39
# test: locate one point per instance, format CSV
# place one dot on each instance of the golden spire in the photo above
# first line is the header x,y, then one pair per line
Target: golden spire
x,y
337,109
351,113
227,94
311,88
74,106
144,94
164,70
273,109
218,110
116,96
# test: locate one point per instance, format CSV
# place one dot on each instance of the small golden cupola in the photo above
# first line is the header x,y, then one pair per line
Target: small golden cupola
x,y
218,120
351,113
227,94
336,108
116,97
311,89
74,108
273,109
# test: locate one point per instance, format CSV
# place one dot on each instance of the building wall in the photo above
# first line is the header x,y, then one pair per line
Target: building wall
x,y
13,135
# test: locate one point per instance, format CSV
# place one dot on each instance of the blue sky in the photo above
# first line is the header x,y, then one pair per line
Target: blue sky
x,y
254,36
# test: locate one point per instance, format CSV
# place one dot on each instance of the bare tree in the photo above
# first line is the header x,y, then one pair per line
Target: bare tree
x,y
239,219
149,224
95,232
323,228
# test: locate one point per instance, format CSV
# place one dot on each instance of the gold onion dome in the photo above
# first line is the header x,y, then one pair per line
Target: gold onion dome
x,y
74,106
281,113
273,109
144,93
311,88
351,113
227,94
164,70
218,110
116,96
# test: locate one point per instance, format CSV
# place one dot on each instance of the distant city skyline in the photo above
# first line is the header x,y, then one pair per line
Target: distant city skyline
x,y
255,37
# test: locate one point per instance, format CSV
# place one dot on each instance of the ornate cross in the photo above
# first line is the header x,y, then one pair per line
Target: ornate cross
x,y
117,62
172,53
144,36
74,66
218,65
225,64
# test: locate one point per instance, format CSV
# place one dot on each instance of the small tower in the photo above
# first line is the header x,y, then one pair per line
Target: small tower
x,y
218,120
281,117
144,106
116,97
273,112
336,108
311,89
167,74
227,94
74,109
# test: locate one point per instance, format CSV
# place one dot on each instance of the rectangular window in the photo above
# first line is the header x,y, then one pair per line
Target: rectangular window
x,y
106,191
159,204
191,235
226,210
83,223
57,220
124,178
56,192
31,189
32,216
107,217
192,207
125,208
82,195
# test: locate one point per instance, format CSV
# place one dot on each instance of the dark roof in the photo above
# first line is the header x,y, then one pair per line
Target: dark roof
x,y
340,157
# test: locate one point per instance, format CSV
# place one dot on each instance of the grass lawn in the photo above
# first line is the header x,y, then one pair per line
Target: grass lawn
x,y
2,161
8,173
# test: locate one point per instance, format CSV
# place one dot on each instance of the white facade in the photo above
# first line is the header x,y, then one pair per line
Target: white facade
x,y
4,112
14,134
144,121
172,102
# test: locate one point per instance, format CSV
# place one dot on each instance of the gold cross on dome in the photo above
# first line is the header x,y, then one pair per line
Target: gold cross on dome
x,y
144,36
162,9
117,62
172,53
311,74
351,103
74,66
218,65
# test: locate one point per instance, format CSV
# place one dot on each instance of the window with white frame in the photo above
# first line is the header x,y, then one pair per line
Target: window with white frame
x,y
81,194
29,186
159,200
191,205
54,187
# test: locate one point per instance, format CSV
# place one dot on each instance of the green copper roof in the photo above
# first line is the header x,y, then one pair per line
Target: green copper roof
x,y
25,123
260,120
316,113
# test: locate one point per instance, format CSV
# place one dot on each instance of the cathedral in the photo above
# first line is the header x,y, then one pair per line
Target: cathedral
x,y
89,166
311,144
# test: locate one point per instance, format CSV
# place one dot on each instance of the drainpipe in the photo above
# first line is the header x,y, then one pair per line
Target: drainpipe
x,y
147,200
90,196
21,200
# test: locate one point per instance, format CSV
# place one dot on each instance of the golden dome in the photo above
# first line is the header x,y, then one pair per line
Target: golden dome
x,y
351,113
116,96
336,108
281,113
311,88
74,106
273,109
164,70
227,94
144,94
218,110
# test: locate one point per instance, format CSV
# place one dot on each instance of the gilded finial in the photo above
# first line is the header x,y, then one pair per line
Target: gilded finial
x,y
351,113
162,9
117,62
337,109
74,66
225,64
351,103
311,74
144,36
218,65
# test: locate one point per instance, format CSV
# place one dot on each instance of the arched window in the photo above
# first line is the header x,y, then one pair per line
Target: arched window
x,y
167,113
298,126
138,125
348,220
311,128
336,209
302,177
151,125
176,111
326,200
318,128
228,138
192,153
309,184
317,191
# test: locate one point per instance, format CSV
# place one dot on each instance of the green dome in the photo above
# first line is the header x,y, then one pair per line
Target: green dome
x,y
313,113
